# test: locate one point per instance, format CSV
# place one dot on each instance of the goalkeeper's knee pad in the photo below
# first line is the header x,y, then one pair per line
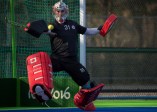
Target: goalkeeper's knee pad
x,y
40,77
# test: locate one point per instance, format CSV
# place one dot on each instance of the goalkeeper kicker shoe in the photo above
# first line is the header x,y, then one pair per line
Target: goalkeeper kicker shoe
x,y
41,94
84,98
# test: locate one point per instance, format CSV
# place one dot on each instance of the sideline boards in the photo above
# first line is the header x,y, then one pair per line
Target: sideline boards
x,y
63,93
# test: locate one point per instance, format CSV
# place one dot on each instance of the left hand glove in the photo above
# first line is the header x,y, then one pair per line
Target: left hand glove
x,y
36,28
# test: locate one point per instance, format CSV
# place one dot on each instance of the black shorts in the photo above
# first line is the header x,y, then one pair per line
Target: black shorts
x,y
76,70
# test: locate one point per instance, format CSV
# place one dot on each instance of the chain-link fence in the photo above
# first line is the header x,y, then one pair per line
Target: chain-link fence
x,y
125,60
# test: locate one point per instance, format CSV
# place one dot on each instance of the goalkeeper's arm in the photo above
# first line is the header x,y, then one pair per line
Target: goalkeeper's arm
x,y
92,31
103,29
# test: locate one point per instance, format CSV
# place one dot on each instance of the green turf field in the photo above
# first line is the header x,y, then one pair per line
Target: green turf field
x,y
105,103
126,103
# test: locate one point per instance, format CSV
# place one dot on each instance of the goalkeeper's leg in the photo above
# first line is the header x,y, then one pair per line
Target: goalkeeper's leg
x,y
40,76
84,98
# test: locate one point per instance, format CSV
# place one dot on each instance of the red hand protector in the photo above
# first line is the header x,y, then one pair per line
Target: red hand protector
x,y
108,24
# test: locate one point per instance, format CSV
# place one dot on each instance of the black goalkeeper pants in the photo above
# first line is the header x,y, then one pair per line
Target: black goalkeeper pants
x,y
76,70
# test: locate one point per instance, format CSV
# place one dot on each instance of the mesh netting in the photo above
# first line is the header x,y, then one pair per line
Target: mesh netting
x,y
136,26
25,11
126,72
122,59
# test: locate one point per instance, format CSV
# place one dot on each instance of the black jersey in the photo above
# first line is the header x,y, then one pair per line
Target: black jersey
x,y
65,43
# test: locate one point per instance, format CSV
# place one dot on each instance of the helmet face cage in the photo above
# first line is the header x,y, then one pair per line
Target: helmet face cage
x,y
60,7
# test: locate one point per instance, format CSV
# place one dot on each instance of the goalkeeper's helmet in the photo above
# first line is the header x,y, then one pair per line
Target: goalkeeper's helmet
x,y
60,11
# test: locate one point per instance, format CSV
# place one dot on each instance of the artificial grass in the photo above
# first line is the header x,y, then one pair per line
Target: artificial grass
x,y
125,103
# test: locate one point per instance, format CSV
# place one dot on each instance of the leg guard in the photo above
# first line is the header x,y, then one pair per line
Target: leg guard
x,y
84,98
40,75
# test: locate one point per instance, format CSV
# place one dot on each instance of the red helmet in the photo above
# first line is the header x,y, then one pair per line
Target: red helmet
x,y
60,11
